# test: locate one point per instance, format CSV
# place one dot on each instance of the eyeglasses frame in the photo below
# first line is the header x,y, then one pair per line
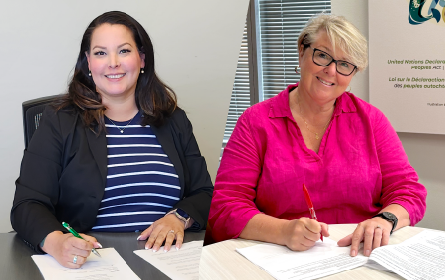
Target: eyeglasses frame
x,y
333,60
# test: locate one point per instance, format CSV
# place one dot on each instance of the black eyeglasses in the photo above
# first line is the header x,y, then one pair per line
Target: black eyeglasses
x,y
324,59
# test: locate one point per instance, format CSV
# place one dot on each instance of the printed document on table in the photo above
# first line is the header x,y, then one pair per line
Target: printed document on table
x,y
180,264
110,267
420,257
325,258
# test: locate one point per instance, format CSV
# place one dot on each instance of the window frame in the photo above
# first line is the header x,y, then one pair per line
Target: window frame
x,y
254,47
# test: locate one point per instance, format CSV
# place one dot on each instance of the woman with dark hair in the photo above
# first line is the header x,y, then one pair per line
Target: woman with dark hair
x,y
113,154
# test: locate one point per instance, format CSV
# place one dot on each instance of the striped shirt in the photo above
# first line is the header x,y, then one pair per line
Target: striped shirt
x,y
142,183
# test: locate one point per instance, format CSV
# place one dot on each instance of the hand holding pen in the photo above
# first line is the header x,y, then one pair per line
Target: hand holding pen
x,y
67,250
308,200
301,234
70,229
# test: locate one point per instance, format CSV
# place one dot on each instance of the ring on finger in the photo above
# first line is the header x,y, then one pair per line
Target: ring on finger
x,y
75,259
378,226
171,231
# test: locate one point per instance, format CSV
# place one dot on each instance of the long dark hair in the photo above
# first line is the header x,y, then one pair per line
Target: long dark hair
x,y
157,100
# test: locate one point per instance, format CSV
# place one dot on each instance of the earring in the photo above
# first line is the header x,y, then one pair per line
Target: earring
x,y
296,69
349,89
142,70
89,73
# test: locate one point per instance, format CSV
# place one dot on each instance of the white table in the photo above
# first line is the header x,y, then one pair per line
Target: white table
x,y
221,261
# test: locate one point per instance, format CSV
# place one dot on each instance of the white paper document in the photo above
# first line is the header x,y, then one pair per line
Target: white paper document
x,y
110,267
420,257
325,258
182,264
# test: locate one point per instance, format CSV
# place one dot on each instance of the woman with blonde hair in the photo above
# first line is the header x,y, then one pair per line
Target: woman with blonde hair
x,y
319,134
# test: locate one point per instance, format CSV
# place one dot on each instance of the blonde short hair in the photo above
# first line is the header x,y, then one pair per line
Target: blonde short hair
x,y
341,33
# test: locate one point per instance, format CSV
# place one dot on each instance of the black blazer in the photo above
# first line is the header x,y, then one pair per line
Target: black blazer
x,y
63,174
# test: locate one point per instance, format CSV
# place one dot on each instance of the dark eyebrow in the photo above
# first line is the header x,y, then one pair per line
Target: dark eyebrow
x,y
120,46
98,47
104,48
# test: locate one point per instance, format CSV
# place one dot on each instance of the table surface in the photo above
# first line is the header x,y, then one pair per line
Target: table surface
x,y
16,262
221,261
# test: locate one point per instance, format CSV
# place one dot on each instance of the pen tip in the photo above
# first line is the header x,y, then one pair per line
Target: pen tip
x,y
96,253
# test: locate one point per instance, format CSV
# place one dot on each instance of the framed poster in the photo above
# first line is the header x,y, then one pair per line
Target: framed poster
x,y
406,63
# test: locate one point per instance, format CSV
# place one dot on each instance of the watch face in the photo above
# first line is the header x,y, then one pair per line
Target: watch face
x,y
389,216
182,213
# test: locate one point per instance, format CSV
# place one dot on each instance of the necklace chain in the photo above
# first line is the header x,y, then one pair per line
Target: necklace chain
x,y
307,126
118,127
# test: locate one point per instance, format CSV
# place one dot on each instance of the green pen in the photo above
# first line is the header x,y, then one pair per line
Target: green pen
x,y
70,229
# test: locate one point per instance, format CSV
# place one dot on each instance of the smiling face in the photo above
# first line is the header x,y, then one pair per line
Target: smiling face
x,y
323,84
114,61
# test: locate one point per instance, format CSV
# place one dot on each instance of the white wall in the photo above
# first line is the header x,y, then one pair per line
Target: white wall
x,y
196,45
426,152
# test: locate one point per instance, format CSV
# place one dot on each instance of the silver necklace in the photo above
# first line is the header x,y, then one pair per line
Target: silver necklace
x,y
307,126
118,127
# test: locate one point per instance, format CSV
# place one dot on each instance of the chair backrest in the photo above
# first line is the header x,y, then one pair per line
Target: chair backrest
x,y
32,112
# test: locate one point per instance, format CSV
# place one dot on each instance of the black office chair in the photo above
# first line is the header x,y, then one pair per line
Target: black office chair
x,y
32,112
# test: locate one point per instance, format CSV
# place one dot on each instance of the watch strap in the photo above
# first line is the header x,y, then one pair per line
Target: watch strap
x,y
182,215
389,217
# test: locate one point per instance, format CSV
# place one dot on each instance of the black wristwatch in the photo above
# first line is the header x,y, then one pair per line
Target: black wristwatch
x,y
389,217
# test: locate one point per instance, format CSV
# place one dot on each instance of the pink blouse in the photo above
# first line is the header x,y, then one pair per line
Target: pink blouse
x,y
360,168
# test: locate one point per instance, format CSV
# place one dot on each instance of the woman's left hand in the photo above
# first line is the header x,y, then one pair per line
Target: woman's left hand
x,y
167,228
373,232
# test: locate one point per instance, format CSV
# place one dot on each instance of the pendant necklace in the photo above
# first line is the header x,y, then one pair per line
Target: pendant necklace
x,y
118,127
307,126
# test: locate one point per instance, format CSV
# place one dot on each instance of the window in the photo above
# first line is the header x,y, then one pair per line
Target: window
x,y
280,24
240,99
268,55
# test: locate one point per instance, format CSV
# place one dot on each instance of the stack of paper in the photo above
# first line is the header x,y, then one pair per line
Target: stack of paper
x,y
420,257
182,264
111,267
325,258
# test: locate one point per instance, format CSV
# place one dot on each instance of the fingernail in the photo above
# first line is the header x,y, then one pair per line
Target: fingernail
x,y
367,253
154,250
146,248
100,245
353,253
139,237
177,248
165,251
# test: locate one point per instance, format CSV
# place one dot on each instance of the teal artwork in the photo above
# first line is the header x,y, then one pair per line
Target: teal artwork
x,y
419,7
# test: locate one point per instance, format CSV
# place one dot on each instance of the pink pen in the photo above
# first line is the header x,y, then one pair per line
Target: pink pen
x,y
311,207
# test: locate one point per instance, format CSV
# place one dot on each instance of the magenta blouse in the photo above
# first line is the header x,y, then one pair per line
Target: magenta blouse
x,y
361,167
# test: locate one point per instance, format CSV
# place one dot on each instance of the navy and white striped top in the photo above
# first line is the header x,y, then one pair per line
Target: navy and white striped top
x,y
142,183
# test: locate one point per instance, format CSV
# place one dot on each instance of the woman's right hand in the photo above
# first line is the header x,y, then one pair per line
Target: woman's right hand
x,y
64,247
301,234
